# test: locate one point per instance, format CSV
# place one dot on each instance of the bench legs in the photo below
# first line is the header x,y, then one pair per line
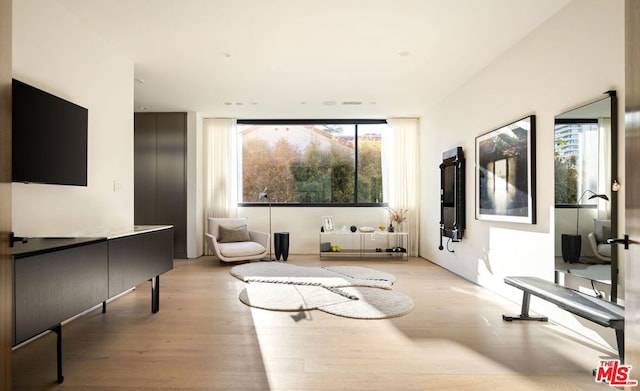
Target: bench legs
x,y
620,340
524,312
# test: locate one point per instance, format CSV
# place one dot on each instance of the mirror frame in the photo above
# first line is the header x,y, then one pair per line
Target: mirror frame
x,y
613,160
613,201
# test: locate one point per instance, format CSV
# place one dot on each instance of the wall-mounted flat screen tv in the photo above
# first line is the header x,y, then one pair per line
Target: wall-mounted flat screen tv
x,y
49,142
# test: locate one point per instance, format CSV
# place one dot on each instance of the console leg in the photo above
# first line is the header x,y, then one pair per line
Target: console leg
x,y
58,330
155,294
104,307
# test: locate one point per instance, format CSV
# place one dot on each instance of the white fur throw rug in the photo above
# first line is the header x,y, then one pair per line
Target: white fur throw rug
x,y
349,291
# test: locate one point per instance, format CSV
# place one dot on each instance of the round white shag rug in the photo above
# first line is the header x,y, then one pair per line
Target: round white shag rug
x,y
348,291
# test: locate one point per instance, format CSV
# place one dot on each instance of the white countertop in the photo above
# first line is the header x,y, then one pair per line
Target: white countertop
x,y
138,229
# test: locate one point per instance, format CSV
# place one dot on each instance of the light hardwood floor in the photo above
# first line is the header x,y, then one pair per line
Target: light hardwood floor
x,y
204,338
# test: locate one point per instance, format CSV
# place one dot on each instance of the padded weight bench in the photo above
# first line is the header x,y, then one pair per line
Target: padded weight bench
x,y
600,311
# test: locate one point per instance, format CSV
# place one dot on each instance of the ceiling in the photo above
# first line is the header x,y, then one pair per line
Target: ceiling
x,y
307,58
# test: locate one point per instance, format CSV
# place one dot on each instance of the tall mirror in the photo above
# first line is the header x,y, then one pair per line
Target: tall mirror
x,y
586,192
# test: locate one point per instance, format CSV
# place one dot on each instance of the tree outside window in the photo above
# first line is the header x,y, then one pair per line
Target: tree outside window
x,y
319,163
576,160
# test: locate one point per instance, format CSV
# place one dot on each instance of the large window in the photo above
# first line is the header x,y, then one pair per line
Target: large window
x,y
576,160
312,162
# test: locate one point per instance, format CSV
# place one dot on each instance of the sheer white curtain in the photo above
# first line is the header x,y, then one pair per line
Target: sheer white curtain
x,y
604,172
404,179
220,168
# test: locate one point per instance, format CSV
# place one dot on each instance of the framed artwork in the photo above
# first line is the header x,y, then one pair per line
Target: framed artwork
x,y
506,172
327,223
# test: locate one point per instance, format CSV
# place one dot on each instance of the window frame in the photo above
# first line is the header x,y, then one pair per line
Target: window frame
x,y
352,121
573,121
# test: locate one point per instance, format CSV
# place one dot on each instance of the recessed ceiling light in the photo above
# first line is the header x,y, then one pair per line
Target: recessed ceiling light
x,y
225,54
228,103
139,80
329,103
142,107
404,53
351,103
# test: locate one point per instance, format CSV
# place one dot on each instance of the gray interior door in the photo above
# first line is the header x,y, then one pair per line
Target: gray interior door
x,y
631,257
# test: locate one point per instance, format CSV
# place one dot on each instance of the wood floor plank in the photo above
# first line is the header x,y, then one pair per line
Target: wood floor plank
x,y
204,338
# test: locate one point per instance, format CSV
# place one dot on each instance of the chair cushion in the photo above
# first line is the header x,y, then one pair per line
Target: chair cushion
x,y
241,249
602,229
604,249
233,234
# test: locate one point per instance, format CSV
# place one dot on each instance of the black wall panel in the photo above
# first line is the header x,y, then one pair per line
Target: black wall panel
x,y
160,192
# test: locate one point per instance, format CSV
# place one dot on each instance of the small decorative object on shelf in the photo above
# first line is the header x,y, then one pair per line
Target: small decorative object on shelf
x,y
327,223
325,246
366,229
354,228
396,216
361,244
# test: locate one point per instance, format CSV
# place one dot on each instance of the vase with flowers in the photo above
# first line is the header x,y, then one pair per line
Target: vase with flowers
x,y
396,216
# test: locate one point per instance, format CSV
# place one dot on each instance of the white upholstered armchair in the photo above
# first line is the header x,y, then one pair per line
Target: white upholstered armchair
x,y
231,241
598,239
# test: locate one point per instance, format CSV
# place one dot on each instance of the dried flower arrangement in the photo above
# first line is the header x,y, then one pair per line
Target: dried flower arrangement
x,y
397,216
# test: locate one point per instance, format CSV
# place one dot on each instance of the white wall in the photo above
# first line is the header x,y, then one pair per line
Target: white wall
x,y
570,60
194,186
303,223
55,52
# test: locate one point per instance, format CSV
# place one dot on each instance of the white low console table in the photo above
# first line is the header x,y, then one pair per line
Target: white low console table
x,y
377,244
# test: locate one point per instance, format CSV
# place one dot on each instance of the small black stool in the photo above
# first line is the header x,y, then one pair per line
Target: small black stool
x,y
281,244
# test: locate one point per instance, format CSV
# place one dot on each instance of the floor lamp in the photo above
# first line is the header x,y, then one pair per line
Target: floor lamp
x,y
265,194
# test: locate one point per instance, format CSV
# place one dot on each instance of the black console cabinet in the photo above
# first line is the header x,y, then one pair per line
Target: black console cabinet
x,y
136,258
53,284
56,279
160,173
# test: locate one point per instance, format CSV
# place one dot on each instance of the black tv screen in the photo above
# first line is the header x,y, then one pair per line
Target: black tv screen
x,y
49,142
448,186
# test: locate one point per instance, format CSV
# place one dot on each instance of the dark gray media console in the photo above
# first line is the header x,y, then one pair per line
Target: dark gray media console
x,y
56,279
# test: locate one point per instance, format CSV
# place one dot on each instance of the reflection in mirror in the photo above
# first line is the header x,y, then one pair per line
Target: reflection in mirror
x,y
584,203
